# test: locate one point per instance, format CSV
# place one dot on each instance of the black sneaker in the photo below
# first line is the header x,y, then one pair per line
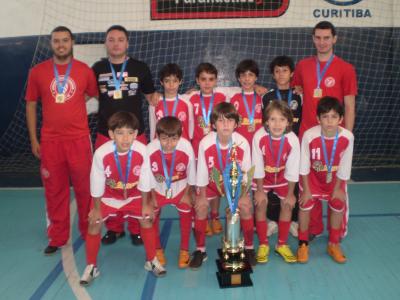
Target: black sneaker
x,y
251,256
197,259
111,237
50,250
136,239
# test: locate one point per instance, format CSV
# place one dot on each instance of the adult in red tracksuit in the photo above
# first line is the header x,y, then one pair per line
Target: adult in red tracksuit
x,y
61,84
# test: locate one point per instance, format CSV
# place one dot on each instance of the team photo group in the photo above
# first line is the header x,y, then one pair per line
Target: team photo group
x,y
292,143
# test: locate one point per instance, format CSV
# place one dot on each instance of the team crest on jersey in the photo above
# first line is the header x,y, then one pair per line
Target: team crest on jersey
x,y
45,173
159,178
69,88
294,105
180,167
136,170
182,116
329,81
318,166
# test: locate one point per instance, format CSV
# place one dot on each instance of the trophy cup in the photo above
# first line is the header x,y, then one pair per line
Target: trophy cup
x,y
233,268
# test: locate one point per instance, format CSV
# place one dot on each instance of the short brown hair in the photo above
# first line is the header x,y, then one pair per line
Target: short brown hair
x,y
283,108
169,126
224,109
123,119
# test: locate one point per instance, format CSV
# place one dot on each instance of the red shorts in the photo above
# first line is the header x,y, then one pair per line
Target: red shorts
x,y
334,204
280,190
176,201
132,209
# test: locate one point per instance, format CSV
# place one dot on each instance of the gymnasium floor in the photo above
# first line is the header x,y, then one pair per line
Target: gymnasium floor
x,y
372,247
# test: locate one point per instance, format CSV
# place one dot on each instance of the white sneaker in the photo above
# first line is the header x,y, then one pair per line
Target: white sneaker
x,y
155,267
272,228
90,273
294,229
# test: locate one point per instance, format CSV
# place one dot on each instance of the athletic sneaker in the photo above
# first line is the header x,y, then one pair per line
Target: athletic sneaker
x,y
286,253
251,256
263,253
197,260
302,254
294,229
155,267
136,239
111,237
50,250
90,273
161,257
336,253
216,226
184,258
272,228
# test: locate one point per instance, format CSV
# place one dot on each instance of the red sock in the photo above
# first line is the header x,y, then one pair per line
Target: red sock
x,y
214,215
283,232
149,242
200,232
303,235
156,226
185,219
334,235
92,248
248,231
133,226
262,227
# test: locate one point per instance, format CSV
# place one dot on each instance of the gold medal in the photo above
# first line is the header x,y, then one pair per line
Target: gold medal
x,y
329,177
318,93
60,98
117,94
251,127
168,193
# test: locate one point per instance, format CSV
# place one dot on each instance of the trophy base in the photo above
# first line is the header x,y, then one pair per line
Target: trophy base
x,y
233,273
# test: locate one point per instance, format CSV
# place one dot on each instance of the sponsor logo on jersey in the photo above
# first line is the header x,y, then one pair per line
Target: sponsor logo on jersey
x,y
69,88
294,105
180,167
329,81
182,116
136,170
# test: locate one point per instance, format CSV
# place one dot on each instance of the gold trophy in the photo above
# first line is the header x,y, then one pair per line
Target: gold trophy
x,y
233,267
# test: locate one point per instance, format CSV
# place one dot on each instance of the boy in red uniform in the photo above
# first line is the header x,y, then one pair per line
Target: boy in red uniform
x,y
171,103
173,173
214,151
203,102
247,102
61,84
120,184
325,166
276,157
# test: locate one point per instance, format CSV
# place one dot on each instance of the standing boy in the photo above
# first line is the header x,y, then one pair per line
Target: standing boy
x,y
173,176
61,84
325,167
120,184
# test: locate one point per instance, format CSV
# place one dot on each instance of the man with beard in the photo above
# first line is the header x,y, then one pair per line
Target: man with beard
x,y
61,83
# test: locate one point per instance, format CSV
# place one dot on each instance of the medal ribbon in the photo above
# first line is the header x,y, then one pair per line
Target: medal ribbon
x,y
329,166
166,111
168,175
282,142
61,85
206,114
117,81
253,106
128,165
320,74
289,97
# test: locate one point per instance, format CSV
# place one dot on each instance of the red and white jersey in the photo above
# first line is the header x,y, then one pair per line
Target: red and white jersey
x,y
200,129
208,158
265,161
339,80
312,162
184,112
244,127
184,170
67,120
105,180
